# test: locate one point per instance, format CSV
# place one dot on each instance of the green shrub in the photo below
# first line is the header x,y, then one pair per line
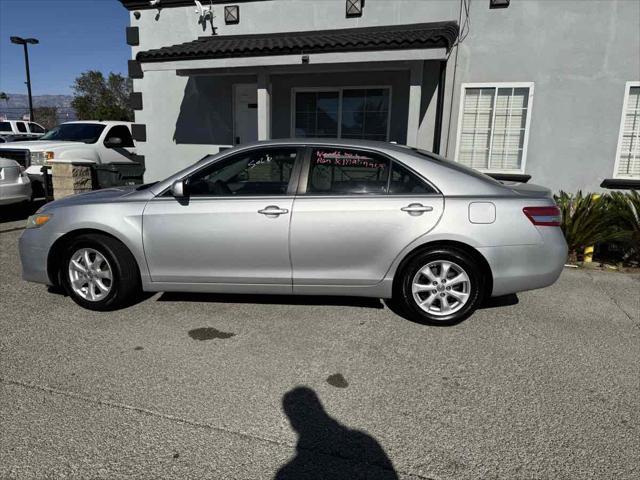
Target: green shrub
x,y
624,209
586,220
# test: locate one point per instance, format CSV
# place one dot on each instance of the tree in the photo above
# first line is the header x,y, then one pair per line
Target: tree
x,y
97,98
4,96
46,116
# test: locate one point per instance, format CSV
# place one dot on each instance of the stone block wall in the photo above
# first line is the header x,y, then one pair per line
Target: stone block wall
x,y
69,179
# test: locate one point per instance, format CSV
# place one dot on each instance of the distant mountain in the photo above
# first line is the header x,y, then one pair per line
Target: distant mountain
x,y
18,105
19,100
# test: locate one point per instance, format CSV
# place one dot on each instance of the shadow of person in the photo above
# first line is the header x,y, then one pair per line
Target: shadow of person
x,y
327,449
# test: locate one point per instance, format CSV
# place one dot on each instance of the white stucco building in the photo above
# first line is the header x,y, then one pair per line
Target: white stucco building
x,y
547,90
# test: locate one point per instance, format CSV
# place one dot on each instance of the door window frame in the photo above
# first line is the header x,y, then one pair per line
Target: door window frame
x,y
303,178
291,187
340,90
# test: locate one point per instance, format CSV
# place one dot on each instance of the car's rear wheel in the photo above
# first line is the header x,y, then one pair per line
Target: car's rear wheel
x,y
99,273
441,286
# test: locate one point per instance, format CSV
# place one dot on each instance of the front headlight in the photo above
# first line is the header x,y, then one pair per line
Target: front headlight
x,y
40,158
38,220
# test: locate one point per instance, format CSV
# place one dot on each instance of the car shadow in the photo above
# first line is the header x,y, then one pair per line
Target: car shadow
x,y
19,211
340,301
328,449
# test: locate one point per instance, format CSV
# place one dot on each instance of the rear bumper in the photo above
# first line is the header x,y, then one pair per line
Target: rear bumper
x,y
14,192
33,257
526,267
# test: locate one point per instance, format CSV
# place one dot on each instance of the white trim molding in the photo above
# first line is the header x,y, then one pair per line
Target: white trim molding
x,y
527,127
625,106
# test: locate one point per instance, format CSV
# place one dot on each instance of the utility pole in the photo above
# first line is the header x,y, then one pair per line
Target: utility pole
x,y
24,42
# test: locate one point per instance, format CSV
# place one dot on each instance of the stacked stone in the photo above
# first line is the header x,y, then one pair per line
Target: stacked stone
x,y
69,179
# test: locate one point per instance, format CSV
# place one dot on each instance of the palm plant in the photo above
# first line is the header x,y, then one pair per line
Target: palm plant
x,y
585,221
625,212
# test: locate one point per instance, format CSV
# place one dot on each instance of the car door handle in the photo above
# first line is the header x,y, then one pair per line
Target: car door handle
x,y
416,208
273,210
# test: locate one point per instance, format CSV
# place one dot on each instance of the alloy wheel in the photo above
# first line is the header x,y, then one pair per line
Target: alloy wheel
x,y
90,274
441,288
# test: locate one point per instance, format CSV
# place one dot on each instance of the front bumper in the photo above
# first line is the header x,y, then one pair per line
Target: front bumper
x,y
33,256
517,268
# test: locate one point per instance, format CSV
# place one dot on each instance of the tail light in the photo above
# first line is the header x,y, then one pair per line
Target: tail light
x,y
544,216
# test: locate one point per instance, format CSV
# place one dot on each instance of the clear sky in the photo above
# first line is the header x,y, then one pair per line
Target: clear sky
x,y
75,36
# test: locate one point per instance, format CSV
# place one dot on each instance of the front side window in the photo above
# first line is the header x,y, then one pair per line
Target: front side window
x,y
22,127
359,113
75,132
336,171
493,128
35,128
628,154
255,173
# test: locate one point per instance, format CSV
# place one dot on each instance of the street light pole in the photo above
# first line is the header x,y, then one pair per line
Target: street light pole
x,y
24,42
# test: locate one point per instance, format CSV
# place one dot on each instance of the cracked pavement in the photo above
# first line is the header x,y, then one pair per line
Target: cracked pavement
x,y
223,386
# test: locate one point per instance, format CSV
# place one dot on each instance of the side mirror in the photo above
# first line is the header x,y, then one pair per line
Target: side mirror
x,y
179,189
113,142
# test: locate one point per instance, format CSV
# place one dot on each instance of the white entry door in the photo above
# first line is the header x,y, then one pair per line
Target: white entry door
x,y
245,111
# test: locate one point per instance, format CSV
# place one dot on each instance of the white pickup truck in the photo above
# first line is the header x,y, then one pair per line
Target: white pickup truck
x,y
95,142
20,129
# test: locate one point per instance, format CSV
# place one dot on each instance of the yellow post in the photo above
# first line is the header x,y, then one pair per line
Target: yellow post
x,y
588,251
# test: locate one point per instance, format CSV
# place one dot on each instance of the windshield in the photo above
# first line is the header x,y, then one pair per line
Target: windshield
x,y
75,132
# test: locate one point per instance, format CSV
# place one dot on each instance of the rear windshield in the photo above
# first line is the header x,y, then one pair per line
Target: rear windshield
x,y
75,132
456,166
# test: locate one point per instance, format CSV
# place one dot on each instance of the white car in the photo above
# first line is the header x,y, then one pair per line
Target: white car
x,y
21,129
90,141
15,186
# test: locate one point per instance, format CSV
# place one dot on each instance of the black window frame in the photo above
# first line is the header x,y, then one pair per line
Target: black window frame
x,y
221,162
306,170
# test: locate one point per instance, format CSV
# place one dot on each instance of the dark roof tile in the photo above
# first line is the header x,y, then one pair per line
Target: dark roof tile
x,y
390,37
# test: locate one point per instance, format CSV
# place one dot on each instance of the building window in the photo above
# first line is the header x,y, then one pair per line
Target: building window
x,y
361,113
628,151
493,126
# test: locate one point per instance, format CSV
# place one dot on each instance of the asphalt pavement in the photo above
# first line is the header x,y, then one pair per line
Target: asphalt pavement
x,y
542,386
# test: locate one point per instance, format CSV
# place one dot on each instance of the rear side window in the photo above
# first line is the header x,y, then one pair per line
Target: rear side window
x,y
405,182
337,171
22,127
5,127
35,128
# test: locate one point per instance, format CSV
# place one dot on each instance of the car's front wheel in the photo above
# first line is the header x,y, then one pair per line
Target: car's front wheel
x,y
99,273
441,286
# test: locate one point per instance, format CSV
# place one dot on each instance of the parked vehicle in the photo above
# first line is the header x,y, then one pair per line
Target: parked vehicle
x,y
7,138
21,129
321,217
97,142
15,186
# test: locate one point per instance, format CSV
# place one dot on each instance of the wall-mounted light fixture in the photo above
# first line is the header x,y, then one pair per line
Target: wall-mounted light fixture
x,y
499,3
354,8
231,14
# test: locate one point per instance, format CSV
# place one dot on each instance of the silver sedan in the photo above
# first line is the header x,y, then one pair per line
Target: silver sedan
x,y
313,217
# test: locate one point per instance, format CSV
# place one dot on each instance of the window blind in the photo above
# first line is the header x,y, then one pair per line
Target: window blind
x,y
493,127
629,149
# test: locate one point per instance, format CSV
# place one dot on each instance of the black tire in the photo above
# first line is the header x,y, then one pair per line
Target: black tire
x,y
125,284
404,296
